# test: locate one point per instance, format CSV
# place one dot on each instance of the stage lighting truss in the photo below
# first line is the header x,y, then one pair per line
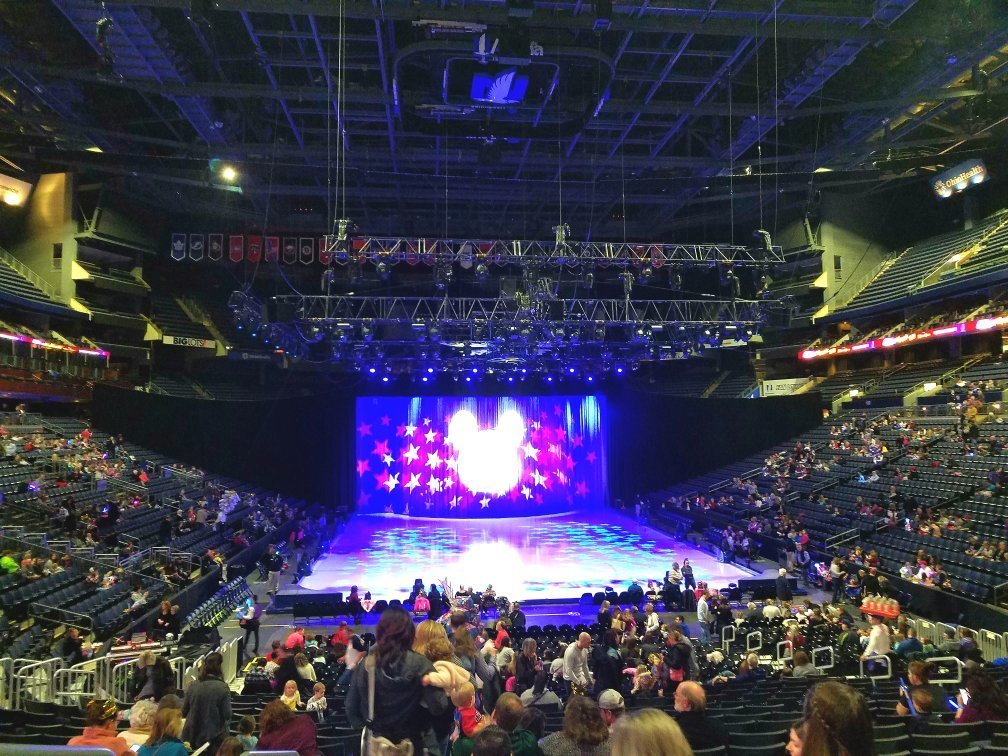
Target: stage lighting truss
x,y
443,253
507,334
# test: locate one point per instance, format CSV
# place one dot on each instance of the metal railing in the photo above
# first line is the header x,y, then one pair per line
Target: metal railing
x,y
6,681
876,660
992,645
820,650
34,681
30,275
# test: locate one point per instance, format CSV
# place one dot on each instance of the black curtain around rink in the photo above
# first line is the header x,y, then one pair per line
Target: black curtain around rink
x,y
305,446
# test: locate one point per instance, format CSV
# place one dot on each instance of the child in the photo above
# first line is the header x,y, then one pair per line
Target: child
x,y
317,702
469,719
291,696
246,726
446,675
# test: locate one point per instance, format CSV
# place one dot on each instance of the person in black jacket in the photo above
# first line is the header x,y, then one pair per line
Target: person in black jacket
x,y
783,586
517,617
606,663
526,665
152,678
71,649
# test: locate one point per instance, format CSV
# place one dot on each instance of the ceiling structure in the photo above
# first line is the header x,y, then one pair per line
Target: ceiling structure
x,y
685,120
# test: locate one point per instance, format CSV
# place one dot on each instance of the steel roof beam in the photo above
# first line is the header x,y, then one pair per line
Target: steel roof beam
x,y
268,68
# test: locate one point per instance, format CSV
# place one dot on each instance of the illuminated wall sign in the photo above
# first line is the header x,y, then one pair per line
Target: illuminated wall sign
x,y
959,178
42,344
901,339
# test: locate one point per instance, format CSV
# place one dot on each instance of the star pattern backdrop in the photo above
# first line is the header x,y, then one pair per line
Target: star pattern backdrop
x,y
480,456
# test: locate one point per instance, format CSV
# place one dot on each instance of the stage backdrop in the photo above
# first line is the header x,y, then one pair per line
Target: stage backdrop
x,y
451,456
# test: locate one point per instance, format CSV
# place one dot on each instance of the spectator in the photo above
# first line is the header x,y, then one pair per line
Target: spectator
x,y
651,732
152,678
607,663
611,707
909,646
469,717
835,720
165,736
232,746
584,732
919,678
784,594
246,733
878,638
291,696
304,667
506,715
516,617
803,666
141,717
539,694
207,706
72,647
280,729
403,706
575,664
534,720
317,703
526,665
985,701
100,729
249,617
502,633
691,715
492,741
162,622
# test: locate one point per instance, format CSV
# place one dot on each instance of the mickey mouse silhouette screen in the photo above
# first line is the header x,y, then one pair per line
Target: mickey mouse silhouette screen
x,y
480,456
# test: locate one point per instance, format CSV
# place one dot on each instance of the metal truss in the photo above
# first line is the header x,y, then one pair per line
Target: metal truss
x,y
422,311
546,253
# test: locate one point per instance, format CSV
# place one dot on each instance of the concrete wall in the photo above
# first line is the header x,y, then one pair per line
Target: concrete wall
x,y
48,220
851,230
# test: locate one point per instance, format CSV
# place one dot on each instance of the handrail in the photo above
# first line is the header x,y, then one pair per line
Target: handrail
x,y
860,284
844,537
30,275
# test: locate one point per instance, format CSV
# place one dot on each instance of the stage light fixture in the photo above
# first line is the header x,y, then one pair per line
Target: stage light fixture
x,y
627,279
482,272
383,271
229,174
646,274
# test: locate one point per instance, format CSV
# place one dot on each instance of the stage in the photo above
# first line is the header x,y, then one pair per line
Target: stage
x,y
552,558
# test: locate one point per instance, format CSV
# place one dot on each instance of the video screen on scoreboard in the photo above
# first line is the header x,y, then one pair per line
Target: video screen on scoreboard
x,y
480,456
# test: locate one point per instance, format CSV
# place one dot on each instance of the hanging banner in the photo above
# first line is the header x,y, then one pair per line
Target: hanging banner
x,y
254,249
307,250
324,255
195,246
178,246
290,253
215,249
271,252
236,249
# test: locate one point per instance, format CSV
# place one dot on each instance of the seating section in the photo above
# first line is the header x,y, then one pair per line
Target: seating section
x,y
174,385
16,285
734,386
898,280
173,321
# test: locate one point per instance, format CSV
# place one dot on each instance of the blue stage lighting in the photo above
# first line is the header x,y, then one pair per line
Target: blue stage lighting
x,y
384,379
424,379
570,370
430,370
468,379
371,370
619,370
590,378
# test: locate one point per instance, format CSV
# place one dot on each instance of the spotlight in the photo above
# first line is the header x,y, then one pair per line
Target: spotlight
x,y
627,279
424,379
12,197
570,370
590,378
371,370
549,379
383,271
619,370
646,275
430,370
384,379
589,280
229,174
482,273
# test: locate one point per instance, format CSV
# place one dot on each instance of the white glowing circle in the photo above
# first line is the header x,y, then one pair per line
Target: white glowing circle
x,y
488,460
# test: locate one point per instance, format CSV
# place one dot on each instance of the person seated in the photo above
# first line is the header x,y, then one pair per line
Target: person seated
x,y
421,606
291,696
469,717
317,703
165,738
803,666
280,729
100,728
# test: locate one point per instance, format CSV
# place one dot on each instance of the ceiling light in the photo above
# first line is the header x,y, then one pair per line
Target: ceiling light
x,y
229,174
12,197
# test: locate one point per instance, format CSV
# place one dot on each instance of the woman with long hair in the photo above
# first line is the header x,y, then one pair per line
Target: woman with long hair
x,y
835,722
584,731
605,616
165,736
526,665
280,729
403,708
919,678
424,632
986,702
648,731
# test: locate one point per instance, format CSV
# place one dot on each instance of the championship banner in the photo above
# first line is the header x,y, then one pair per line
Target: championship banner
x,y
178,246
290,252
236,249
215,249
254,249
324,255
195,246
307,250
271,253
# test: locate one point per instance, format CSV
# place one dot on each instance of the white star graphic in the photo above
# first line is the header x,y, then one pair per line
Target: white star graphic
x,y
426,421
434,484
536,425
433,460
387,459
526,492
414,481
539,479
411,453
485,502
454,502
451,463
554,449
448,482
531,451
409,430
392,482
561,476
430,436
